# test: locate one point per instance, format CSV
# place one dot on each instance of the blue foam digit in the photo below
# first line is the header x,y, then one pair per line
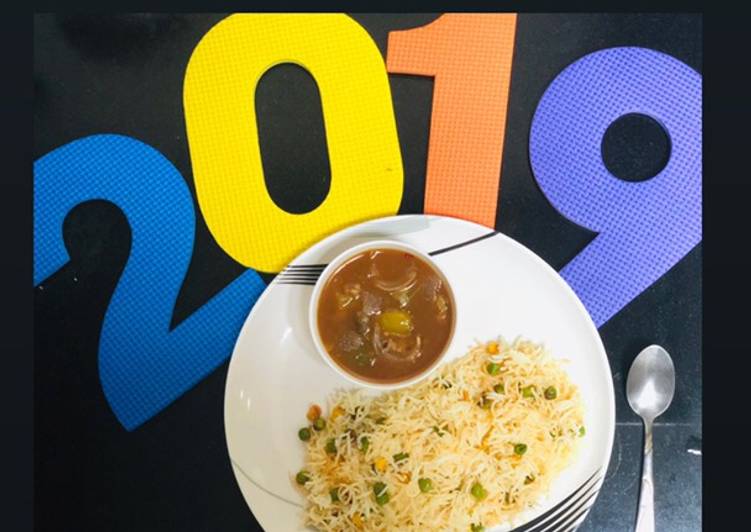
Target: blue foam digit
x,y
143,366
644,228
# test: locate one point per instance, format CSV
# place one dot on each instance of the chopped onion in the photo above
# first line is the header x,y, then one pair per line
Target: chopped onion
x,y
373,271
430,287
352,289
443,307
363,322
343,300
389,348
400,284
403,297
416,351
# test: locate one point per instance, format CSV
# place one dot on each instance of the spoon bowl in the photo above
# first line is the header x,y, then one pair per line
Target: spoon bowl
x,y
651,382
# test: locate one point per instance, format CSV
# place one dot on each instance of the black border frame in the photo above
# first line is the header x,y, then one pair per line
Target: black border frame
x,y
726,263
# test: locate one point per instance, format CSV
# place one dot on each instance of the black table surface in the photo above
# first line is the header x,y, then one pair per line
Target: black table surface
x,y
124,74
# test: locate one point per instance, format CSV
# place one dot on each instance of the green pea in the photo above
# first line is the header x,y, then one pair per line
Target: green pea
x,y
520,448
304,434
331,446
302,477
493,368
478,492
334,494
381,493
551,393
499,388
477,528
398,457
364,444
319,424
528,391
425,484
582,431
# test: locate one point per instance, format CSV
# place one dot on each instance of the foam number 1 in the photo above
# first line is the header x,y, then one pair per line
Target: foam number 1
x,y
644,228
470,57
361,136
143,365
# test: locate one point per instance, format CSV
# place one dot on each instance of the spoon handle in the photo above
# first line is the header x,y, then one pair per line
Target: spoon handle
x,y
645,518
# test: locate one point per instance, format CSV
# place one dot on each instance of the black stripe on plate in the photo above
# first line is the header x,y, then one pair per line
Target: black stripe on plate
x,y
573,513
571,523
549,517
300,274
309,273
309,266
462,244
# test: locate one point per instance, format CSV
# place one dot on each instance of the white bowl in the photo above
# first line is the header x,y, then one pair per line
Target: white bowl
x,y
332,267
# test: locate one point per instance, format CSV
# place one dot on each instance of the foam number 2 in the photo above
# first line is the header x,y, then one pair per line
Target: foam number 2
x,y
644,228
361,136
143,366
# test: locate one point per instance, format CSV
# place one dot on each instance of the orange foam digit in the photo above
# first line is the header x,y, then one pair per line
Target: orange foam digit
x,y
470,57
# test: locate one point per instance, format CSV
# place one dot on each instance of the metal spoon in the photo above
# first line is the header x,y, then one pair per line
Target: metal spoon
x,y
649,389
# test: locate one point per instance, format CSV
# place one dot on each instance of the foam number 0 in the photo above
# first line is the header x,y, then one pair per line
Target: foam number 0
x,y
644,228
143,365
362,141
470,57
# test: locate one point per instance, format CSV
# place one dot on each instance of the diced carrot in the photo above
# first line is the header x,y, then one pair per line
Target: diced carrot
x,y
404,477
314,412
492,348
485,438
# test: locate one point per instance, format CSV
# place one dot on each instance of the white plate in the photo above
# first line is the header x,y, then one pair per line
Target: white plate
x,y
503,288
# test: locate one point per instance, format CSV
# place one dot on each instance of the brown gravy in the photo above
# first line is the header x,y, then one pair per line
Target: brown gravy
x,y
385,315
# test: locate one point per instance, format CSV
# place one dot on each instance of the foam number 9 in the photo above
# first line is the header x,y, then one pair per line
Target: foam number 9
x,y
644,228
220,82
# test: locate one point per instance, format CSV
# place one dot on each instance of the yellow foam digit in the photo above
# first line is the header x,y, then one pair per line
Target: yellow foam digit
x,y
363,146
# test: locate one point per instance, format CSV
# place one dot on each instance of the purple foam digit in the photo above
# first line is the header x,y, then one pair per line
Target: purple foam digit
x,y
646,227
